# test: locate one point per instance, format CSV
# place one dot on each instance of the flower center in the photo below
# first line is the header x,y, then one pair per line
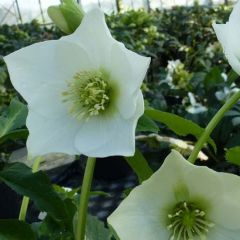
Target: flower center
x,y
187,221
89,94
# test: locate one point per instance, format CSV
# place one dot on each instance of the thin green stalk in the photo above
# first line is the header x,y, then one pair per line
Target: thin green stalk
x,y
212,124
85,193
25,201
23,209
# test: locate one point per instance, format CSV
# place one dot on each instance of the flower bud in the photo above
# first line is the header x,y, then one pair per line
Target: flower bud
x,y
67,16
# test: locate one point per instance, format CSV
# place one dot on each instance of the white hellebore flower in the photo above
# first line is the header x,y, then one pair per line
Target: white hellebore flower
x,y
83,91
181,202
229,34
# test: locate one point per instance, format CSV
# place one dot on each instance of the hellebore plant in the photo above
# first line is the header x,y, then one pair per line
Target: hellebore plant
x,y
181,202
83,94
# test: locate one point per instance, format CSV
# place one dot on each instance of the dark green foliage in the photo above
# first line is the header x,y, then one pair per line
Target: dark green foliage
x,y
233,155
13,118
15,230
37,186
140,166
96,230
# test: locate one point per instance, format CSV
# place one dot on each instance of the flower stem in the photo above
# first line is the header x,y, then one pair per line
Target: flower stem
x,y
212,124
25,201
85,192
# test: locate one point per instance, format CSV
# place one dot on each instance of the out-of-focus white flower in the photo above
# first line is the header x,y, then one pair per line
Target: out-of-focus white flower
x,y
229,34
42,216
83,91
177,75
195,107
213,48
172,66
181,202
224,94
227,91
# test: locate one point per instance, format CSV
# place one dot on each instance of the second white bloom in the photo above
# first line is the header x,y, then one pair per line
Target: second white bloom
x,y
181,202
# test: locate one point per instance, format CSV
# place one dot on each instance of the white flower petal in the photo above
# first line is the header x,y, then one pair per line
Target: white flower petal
x,y
139,65
140,216
182,175
227,208
221,233
234,17
112,134
137,225
51,135
223,32
47,100
73,58
228,34
31,67
94,35
204,184
127,70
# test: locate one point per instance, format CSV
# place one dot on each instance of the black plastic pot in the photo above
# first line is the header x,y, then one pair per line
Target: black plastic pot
x,y
9,202
111,168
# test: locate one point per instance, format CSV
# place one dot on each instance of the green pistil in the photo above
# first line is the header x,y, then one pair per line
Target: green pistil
x,y
89,94
187,221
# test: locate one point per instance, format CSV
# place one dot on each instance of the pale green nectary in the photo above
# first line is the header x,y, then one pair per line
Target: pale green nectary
x,y
228,34
181,201
83,91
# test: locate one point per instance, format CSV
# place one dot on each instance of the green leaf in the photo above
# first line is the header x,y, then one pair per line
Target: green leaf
x,y
213,78
140,166
14,119
233,141
66,193
14,135
96,230
146,124
36,186
177,124
233,155
15,230
52,230
232,77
